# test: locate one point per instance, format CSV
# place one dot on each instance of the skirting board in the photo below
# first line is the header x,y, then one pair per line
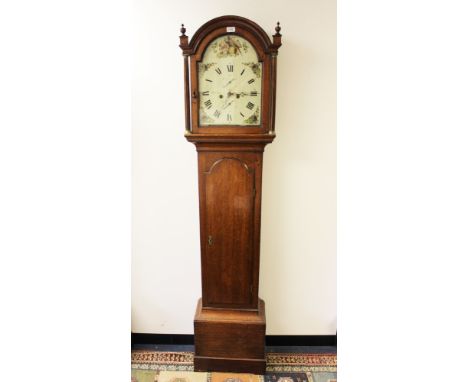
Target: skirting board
x,y
187,339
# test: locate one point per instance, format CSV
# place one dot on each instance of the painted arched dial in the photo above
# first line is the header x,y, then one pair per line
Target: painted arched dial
x,y
230,83
229,227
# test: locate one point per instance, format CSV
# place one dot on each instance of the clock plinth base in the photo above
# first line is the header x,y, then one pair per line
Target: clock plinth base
x,y
230,365
230,340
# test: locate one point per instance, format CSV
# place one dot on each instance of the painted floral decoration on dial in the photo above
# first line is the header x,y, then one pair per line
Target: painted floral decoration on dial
x,y
230,83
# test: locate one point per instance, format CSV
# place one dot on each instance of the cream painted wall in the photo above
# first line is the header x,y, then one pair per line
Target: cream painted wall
x,y
298,242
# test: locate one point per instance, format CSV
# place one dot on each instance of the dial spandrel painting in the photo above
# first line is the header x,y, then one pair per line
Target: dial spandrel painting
x,y
230,83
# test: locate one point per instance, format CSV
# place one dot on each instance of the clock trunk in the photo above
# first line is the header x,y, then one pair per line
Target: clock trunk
x,y
230,195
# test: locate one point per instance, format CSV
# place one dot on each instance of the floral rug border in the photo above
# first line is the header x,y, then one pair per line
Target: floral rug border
x,y
276,362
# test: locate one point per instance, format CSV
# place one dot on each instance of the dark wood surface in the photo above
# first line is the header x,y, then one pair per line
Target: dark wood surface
x,y
229,190
274,343
230,340
230,321
230,196
237,365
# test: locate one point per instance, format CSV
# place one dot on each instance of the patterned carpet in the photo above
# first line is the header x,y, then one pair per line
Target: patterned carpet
x,y
172,366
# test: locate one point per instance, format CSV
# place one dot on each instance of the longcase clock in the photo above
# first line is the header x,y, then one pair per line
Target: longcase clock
x,y
230,87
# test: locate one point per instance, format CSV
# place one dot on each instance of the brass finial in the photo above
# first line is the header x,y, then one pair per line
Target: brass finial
x,y
182,30
277,29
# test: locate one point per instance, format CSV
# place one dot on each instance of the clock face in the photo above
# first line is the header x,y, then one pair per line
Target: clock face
x,y
230,83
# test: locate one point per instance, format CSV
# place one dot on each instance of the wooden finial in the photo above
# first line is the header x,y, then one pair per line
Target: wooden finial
x,y
277,36
277,29
183,38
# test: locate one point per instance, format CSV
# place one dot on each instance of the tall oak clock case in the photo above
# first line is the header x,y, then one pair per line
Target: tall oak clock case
x,y
230,88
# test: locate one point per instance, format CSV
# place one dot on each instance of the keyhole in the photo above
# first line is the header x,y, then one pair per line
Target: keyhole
x,y
210,240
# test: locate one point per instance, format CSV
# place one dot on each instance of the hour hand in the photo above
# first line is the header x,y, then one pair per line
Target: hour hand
x,y
227,105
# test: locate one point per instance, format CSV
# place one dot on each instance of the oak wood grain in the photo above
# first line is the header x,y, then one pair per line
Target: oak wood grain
x,y
230,340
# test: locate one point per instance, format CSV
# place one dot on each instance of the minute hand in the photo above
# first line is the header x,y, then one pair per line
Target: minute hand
x,y
238,94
